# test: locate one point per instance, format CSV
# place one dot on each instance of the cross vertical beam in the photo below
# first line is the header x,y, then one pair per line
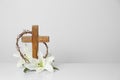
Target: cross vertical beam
x,y
35,41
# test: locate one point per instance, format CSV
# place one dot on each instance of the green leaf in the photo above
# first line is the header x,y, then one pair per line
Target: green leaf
x,y
55,68
26,70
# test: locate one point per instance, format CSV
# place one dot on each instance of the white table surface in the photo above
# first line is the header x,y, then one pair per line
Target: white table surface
x,y
68,71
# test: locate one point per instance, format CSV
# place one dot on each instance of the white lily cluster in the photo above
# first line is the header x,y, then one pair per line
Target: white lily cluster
x,y
37,65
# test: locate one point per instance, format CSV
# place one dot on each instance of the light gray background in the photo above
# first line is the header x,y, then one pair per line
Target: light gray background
x,y
79,30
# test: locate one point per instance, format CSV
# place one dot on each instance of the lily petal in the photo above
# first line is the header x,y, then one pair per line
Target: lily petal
x,y
50,59
49,67
39,70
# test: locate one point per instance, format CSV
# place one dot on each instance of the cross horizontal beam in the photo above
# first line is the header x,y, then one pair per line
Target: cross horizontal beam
x,y
40,39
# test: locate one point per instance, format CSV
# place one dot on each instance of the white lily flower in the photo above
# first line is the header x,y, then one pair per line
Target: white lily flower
x,y
35,64
39,64
31,65
49,61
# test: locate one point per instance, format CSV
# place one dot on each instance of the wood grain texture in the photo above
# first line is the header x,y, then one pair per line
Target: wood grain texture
x,y
35,41
40,39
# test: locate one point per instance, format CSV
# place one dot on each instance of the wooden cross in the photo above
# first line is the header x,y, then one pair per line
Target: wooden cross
x,y
35,39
